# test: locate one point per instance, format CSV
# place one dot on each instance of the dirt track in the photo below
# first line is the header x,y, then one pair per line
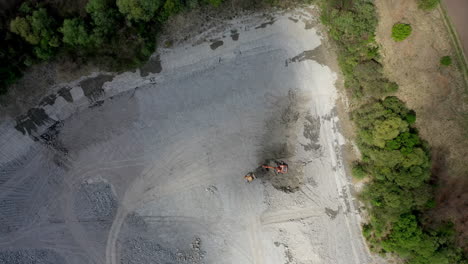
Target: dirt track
x,y
134,169
458,10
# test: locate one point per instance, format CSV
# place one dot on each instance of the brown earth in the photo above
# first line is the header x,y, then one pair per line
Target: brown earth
x,y
457,10
438,94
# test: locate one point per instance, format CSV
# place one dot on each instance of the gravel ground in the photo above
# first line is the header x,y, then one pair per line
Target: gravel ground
x,y
148,166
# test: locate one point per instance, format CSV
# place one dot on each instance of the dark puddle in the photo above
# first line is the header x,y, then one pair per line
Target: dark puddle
x,y
264,25
234,35
65,93
32,120
92,87
216,44
314,54
152,66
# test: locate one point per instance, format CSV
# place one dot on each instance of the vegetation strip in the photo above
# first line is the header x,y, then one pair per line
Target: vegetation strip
x,y
394,157
115,34
456,44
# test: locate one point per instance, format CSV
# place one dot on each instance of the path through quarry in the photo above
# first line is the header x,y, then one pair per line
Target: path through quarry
x,y
147,166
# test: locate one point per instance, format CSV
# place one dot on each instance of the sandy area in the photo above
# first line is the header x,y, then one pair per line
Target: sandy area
x,y
147,166
437,94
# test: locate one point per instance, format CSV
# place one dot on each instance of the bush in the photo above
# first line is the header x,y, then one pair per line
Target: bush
x,y
352,24
75,33
428,4
358,171
143,10
39,29
401,31
446,61
411,117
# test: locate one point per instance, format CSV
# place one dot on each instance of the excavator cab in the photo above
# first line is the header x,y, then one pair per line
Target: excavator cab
x,y
280,168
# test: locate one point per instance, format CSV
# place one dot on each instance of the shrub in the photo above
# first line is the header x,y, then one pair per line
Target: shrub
x,y
411,118
75,33
401,31
143,10
358,171
39,30
446,61
428,4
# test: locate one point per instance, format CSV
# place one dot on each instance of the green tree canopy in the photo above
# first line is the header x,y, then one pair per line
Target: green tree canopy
x,y
105,19
75,33
143,10
38,29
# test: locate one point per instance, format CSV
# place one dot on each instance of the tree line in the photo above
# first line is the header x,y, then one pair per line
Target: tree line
x,y
394,158
119,34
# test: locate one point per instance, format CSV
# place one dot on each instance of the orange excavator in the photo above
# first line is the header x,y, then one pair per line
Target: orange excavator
x,y
280,168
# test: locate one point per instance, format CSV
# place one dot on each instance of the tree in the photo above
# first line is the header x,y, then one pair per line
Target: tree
x,y
143,10
37,29
75,33
170,8
388,129
105,19
401,31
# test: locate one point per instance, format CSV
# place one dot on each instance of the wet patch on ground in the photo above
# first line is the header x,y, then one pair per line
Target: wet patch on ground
x,y
152,66
32,120
280,142
65,93
315,55
234,35
264,25
92,87
312,133
31,256
216,44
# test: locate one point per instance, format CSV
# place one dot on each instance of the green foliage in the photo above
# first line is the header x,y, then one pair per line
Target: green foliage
x,y
358,171
399,166
75,33
39,30
104,17
143,10
170,7
446,61
428,4
393,156
215,3
401,31
352,25
409,240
